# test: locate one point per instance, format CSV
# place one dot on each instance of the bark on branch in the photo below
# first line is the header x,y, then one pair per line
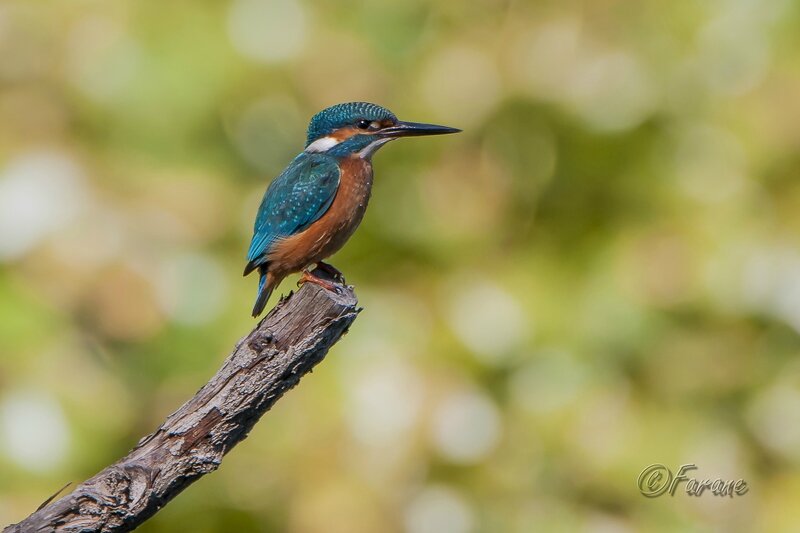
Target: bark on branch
x,y
284,346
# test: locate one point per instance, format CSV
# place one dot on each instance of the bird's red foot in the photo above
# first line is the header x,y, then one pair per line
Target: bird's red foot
x,y
331,271
308,277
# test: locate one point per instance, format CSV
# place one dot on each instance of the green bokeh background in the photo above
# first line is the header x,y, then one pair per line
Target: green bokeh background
x,y
601,272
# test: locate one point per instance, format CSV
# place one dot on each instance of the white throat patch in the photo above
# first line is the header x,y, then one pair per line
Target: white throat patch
x,y
370,149
323,144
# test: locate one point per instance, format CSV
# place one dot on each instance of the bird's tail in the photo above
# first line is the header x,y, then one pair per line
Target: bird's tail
x,y
266,284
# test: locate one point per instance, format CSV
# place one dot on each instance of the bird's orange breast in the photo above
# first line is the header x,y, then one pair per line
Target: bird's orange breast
x,y
327,235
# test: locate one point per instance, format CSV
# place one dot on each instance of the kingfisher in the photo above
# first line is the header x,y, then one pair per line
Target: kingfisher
x,y
313,207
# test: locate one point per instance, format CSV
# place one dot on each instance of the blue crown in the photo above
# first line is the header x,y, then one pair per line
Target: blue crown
x,y
331,119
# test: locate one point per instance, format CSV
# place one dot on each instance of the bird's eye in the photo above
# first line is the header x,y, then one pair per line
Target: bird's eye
x,y
363,124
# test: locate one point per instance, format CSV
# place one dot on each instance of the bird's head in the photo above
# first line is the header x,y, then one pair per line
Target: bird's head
x,y
360,128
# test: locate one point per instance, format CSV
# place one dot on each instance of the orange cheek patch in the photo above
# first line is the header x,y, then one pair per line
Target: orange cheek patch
x,y
344,133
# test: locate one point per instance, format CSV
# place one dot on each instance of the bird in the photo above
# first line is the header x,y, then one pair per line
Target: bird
x,y
313,207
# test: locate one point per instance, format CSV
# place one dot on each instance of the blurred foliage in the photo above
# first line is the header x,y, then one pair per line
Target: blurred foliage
x,y
602,272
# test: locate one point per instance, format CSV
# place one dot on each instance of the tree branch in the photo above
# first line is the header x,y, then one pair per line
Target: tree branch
x,y
284,346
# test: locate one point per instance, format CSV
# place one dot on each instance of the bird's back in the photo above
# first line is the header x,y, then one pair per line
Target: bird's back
x,y
326,235
294,200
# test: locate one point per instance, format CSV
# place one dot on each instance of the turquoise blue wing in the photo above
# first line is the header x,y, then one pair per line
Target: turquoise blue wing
x,y
293,201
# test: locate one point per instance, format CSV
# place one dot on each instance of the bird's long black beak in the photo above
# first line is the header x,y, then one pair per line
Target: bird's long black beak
x,y
415,129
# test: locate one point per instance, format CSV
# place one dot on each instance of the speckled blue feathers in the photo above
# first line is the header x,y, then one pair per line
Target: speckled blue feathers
x,y
293,201
329,120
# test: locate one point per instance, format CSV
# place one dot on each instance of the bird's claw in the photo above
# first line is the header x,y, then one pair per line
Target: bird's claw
x,y
308,277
